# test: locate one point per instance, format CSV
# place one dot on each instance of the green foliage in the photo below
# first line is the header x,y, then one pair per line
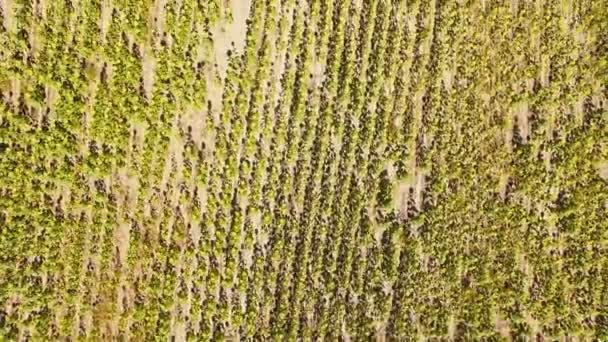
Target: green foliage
x,y
363,170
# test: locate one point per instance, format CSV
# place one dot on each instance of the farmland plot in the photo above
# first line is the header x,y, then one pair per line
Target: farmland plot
x,y
303,170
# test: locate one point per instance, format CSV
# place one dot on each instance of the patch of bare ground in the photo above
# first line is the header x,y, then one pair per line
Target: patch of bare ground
x,y
6,7
447,79
380,335
318,72
122,298
566,9
507,130
179,332
522,114
157,19
129,41
87,322
231,34
261,236
34,112
138,135
61,197
401,197
214,93
602,169
50,99
247,257
58,316
344,333
130,185
174,155
377,229
40,8
148,66
598,99
533,323
177,322
194,121
419,189
452,326
526,269
549,126
280,58
502,327
87,259
112,327
12,95
411,186
122,237
503,183
233,337
179,167
35,40
11,305
83,145
73,21
25,332
578,110
514,7
424,259
76,323
105,18
93,72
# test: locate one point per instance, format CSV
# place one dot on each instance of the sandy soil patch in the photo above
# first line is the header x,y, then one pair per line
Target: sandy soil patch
x,y
122,237
380,332
503,183
40,7
514,7
230,35
105,18
6,7
50,98
401,196
180,332
138,130
13,95
502,327
578,110
452,326
157,16
194,120
148,72
533,323
602,170
378,232
447,78
35,39
522,113
419,190
318,72
214,94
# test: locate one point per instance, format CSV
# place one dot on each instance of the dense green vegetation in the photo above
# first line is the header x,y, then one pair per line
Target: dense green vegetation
x,y
303,169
